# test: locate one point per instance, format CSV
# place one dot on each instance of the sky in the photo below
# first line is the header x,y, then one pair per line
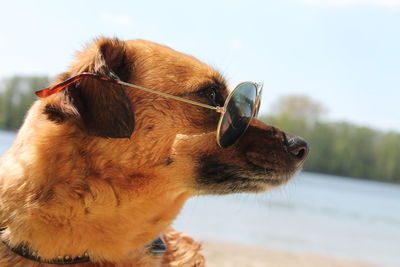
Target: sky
x,y
344,54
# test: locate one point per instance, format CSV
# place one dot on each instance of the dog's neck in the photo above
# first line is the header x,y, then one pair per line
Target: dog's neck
x,y
23,250
64,201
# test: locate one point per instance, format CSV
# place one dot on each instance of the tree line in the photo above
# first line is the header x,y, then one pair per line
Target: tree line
x,y
338,148
16,96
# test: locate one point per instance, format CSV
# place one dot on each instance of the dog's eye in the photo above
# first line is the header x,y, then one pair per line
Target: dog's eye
x,y
211,94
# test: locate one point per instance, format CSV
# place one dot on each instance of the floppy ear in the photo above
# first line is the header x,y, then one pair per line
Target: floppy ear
x,y
100,108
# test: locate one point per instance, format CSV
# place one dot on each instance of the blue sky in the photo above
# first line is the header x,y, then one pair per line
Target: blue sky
x,y
344,54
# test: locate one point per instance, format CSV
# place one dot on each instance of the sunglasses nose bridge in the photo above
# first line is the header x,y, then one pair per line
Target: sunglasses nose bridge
x,y
259,86
257,107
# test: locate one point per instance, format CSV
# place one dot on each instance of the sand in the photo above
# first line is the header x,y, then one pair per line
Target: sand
x,y
220,254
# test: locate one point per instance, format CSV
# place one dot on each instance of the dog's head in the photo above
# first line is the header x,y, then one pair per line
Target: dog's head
x,y
160,137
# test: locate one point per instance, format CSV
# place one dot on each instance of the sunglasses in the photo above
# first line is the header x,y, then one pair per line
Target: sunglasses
x,y
240,107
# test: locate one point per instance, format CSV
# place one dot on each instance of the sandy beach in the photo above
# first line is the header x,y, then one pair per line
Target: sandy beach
x,y
220,254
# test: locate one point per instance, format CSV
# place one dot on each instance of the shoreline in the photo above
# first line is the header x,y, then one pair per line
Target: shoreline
x,y
221,254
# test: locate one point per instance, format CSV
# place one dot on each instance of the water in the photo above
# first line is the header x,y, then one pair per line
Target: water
x,y
329,215
316,213
6,139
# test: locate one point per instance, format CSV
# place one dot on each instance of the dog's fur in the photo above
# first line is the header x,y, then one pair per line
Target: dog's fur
x,y
106,169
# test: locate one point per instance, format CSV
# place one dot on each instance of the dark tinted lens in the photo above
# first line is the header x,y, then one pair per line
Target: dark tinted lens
x,y
238,114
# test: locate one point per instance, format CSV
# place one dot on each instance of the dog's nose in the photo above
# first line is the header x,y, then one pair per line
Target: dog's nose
x,y
298,148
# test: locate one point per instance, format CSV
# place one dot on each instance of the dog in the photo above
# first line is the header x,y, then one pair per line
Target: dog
x,y
99,171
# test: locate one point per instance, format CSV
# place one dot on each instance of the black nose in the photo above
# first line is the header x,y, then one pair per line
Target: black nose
x,y
298,147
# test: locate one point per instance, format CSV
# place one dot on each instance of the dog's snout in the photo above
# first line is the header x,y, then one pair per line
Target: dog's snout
x,y
298,147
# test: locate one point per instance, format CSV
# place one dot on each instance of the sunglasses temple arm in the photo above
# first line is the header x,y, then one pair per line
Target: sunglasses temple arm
x,y
61,86
57,88
218,109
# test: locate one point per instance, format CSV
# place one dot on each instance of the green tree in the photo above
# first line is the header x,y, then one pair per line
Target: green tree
x,y
16,96
338,148
299,108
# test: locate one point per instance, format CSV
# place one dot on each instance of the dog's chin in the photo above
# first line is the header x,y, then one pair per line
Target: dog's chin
x,y
215,177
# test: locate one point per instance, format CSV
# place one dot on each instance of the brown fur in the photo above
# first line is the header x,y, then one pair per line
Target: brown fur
x,y
106,169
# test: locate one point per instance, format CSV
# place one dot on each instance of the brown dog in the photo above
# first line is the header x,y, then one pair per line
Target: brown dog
x,y
99,171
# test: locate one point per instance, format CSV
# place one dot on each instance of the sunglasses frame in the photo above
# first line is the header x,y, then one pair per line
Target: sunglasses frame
x,y
222,110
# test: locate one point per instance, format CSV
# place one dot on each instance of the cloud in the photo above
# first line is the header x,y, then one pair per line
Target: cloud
x,y
346,3
118,19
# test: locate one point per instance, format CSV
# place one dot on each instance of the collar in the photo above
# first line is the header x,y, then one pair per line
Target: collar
x,y
157,248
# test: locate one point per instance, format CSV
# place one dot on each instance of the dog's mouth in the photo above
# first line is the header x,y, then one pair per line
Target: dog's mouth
x,y
251,167
217,177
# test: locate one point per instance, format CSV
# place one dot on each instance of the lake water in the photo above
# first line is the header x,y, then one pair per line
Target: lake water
x,y
329,215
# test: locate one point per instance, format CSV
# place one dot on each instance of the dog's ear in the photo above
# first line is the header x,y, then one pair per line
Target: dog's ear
x,y
99,107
